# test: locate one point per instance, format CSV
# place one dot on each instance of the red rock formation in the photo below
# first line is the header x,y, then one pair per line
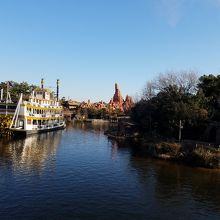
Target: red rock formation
x,y
116,103
117,98
119,103
128,103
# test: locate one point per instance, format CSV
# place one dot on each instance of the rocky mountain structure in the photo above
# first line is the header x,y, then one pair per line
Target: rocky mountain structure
x,y
96,105
86,109
118,103
117,98
128,103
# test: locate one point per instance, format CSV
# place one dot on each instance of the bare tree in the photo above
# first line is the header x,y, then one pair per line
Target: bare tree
x,y
185,81
165,80
149,91
136,97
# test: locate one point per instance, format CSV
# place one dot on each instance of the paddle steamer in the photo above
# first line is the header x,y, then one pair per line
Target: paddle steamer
x,y
39,112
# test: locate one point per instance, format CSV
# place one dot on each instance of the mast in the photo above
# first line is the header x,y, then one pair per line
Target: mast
x,y
42,83
6,101
58,83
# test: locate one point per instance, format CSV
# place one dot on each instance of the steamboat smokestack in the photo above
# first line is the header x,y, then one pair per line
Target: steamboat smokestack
x,y
1,94
42,83
58,83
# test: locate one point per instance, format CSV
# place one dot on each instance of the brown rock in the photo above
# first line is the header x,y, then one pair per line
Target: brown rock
x,y
128,103
117,98
119,103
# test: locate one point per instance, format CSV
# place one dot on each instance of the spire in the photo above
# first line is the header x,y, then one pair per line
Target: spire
x,y
116,87
117,98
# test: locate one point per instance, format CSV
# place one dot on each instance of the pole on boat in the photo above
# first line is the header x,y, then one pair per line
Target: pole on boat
x,y
42,83
6,101
58,83
2,94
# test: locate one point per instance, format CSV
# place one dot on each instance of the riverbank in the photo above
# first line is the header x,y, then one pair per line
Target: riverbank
x,y
193,153
92,121
190,152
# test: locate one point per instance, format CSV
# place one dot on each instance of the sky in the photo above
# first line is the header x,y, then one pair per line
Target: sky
x,y
92,44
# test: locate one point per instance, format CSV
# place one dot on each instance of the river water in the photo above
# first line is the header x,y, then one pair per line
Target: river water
x,y
78,173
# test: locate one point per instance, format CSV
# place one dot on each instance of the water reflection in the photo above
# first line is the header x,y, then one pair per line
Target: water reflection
x,y
31,153
173,189
97,128
96,178
174,185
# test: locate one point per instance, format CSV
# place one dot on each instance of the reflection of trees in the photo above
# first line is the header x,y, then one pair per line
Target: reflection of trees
x,y
118,147
197,184
30,153
175,184
144,169
86,127
206,188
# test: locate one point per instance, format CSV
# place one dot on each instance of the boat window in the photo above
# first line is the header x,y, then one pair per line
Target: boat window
x,y
11,107
21,123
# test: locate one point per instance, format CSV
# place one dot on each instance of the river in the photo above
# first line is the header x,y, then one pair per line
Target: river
x,y
77,173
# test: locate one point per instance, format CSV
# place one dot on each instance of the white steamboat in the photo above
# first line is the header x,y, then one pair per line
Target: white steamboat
x,y
40,112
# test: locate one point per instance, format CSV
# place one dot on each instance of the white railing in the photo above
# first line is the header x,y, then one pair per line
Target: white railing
x,y
39,127
34,127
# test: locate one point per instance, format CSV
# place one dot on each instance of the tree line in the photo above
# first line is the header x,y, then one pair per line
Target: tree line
x,y
173,97
16,89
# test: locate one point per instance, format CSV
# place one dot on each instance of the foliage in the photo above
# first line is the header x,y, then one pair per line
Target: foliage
x,y
16,89
168,148
169,99
94,113
5,122
206,157
209,88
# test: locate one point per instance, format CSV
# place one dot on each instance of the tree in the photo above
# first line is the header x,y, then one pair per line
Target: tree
x,y
209,87
149,91
174,100
16,89
185,81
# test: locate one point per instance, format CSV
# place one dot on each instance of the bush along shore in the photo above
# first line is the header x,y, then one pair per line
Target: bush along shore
x,y
5,122
187,152
191,152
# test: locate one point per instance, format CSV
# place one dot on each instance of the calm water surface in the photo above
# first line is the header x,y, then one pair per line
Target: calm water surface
x,y
79,174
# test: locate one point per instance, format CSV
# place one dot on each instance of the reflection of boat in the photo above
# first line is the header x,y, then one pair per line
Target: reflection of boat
x,y
31,153
40,112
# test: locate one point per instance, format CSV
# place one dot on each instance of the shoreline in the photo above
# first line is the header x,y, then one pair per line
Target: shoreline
x,y
191,153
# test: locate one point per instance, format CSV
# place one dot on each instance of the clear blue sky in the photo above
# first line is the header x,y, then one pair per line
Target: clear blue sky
x,y
91,44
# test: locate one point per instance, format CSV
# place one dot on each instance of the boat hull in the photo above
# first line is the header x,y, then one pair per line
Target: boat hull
x,y
22,132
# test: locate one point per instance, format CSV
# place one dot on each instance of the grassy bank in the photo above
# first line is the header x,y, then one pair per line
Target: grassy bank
x,y
191,153
188,152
